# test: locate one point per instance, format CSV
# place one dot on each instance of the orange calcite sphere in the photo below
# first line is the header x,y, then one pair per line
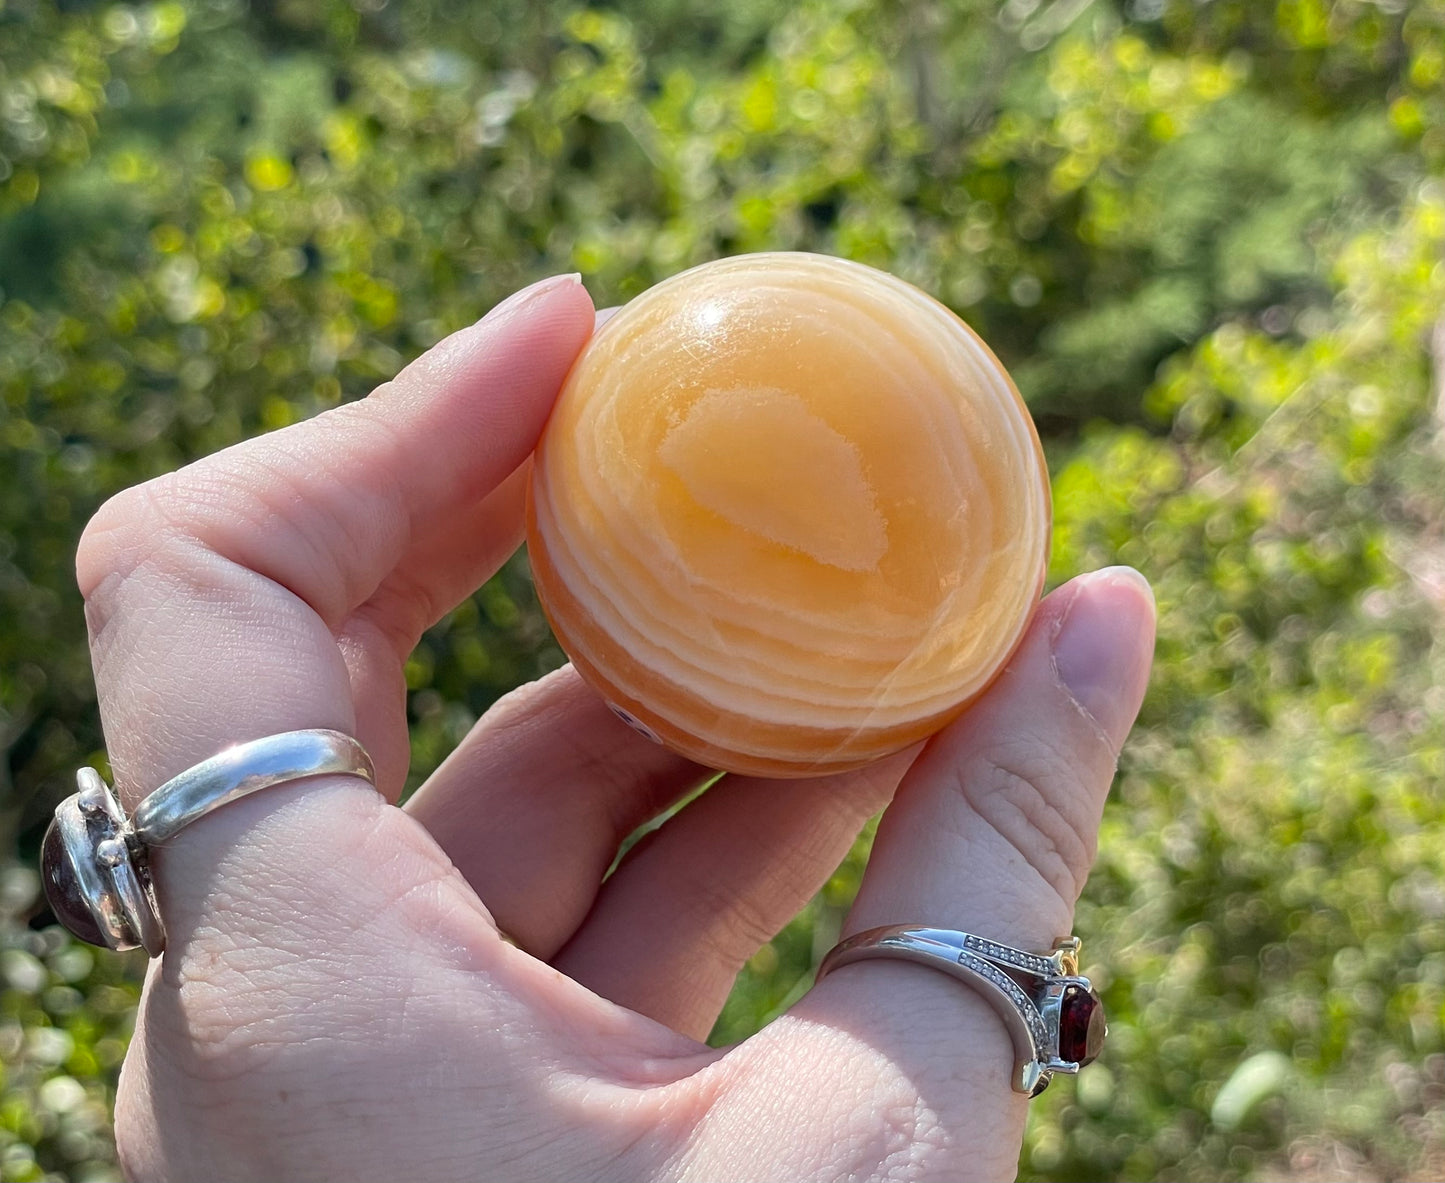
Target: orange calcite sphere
x,y
789,514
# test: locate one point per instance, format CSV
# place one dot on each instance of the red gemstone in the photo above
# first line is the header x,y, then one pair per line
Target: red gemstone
x,y
62,889
1081,1026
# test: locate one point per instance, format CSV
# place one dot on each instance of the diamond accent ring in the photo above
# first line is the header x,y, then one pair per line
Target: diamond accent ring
x,y
1052,1013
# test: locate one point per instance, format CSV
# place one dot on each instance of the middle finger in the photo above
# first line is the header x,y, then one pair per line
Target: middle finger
x,y
534,803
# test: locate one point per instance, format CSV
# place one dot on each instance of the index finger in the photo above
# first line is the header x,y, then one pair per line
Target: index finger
x,y
326,507
213,594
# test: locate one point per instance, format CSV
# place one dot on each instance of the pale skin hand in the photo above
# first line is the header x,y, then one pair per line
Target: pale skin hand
x,y
335,1001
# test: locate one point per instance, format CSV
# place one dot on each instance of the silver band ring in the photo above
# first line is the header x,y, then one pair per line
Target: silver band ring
x,y
1053,1015
95,860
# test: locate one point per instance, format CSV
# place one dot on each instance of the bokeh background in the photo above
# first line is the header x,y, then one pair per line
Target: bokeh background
x,y
1208,238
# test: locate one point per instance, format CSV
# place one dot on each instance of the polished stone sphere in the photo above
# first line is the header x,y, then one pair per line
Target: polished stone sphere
x,y
789,514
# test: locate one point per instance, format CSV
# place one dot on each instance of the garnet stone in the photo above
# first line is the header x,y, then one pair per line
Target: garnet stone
x,y
1081,1026
62,891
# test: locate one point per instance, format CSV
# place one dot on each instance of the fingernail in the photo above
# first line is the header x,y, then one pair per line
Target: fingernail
x,y
1104,644
532,292
443,358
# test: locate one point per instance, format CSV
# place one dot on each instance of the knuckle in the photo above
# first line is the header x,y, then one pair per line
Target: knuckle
x,y
915,1143
723,928
1034,796
731,927
282,506
121,524
124,537
748,929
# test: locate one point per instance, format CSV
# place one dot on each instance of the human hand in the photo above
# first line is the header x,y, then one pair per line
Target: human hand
x,y
336,1002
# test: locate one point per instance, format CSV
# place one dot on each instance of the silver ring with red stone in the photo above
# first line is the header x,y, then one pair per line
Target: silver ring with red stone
x,y
95,861
1054,1016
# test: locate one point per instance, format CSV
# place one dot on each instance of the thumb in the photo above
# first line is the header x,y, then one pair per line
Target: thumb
x,y
994,829
992,832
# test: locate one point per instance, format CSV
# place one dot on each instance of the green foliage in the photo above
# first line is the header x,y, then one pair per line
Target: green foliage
x,y
1204,237
1270,870
66,1012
